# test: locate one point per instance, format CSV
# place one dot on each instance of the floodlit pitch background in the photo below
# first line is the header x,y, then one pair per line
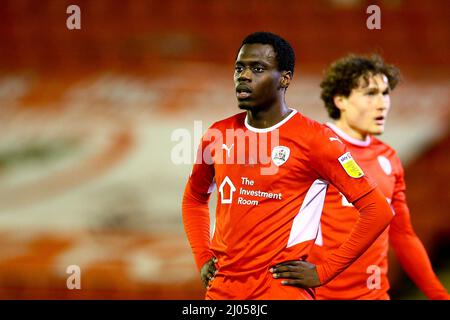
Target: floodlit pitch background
x,y
86,118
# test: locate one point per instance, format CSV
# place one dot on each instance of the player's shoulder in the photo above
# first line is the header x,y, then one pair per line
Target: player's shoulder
x,y
233,121
383,148
311,127
307,121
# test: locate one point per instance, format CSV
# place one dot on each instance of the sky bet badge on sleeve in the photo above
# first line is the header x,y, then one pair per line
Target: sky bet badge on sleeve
x,y
350,166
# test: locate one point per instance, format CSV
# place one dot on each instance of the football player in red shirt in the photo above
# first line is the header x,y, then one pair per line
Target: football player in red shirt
x,y
356,92
271,167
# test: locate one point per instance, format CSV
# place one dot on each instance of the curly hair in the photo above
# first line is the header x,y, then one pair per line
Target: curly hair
x,y
344,74
285,55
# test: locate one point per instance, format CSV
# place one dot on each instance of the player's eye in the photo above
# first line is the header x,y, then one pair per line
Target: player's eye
x,y
238,69
258,69
386,92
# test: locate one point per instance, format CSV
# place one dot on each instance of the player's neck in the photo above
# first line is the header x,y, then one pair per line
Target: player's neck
x,y
345,127
269,117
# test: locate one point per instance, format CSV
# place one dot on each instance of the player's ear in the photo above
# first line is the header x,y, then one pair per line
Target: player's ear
x,y
340,102
285,80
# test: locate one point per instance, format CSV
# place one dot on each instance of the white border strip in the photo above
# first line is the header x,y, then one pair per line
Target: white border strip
x,y
279,124
347,138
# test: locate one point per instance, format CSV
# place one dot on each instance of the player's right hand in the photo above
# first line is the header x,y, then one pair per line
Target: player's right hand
x,y
208,271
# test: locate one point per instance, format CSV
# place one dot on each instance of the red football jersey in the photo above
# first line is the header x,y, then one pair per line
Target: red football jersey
x,y
271,192
380,162
367,278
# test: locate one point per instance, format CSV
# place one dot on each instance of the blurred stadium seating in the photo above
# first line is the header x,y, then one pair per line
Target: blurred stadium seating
x,y
87,115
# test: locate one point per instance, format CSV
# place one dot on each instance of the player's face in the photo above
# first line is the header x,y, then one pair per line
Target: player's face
x,y
365,110
256,77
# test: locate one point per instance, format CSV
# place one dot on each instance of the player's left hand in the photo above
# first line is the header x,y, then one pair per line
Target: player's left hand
x,y
298,273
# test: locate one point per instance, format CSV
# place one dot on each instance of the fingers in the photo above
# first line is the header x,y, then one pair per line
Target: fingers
x,y
212,268
294,270
205,282
210,275
296,279
209,279
211,271
295,263
286,268
289,262
294,283
296,273
289,269
289,275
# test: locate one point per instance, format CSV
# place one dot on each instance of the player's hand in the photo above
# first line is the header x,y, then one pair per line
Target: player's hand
x,y
208,271
297,273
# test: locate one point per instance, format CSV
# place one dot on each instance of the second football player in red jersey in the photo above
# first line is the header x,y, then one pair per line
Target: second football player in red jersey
x,y
356,91
269,203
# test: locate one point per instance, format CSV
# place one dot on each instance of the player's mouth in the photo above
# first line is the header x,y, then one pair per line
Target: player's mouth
x,y
243,91
380,120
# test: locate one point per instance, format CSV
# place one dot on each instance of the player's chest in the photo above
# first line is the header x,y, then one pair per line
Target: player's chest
x,y
263,162
380,168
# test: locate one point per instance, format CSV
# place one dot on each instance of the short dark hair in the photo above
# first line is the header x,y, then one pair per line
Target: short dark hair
x,y
285,55
343,76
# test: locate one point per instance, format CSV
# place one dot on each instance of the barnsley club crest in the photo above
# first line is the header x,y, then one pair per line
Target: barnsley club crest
x,y
280,154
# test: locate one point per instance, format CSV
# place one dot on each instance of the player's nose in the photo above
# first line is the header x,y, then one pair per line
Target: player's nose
x,y
382,102
245,75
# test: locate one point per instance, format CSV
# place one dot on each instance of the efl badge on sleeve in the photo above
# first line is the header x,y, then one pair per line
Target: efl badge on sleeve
x,y
280,154
350,166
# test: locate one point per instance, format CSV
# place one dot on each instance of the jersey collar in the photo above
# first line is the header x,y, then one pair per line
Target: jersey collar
x,y
347,137
275,126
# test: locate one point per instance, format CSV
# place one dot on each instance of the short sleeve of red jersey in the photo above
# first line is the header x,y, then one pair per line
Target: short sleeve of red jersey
x,y
331,159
